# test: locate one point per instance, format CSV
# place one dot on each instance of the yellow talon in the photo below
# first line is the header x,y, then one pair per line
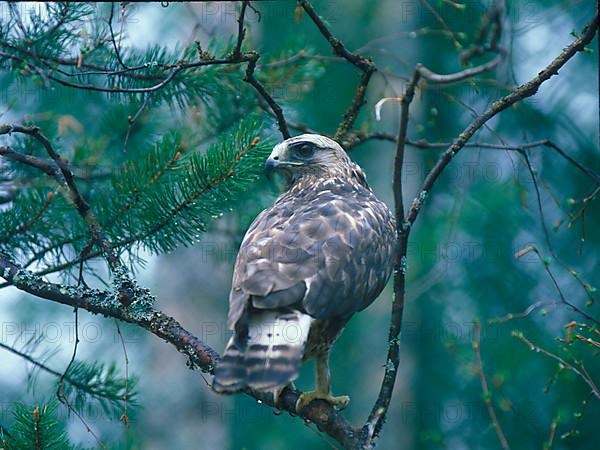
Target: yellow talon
x,y
307,397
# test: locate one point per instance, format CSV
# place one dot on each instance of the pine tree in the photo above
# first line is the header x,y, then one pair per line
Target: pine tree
x,y
35,428
110,152
115,120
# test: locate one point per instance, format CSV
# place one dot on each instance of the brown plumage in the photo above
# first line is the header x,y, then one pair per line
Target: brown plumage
x,y
322,252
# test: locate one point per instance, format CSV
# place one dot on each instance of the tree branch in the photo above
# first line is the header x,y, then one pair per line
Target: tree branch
x,y
594,389
141,312
463,74
521,92
127,285
237,51
357,138
487,398
277,111
201,356
366,65
44,165
377,416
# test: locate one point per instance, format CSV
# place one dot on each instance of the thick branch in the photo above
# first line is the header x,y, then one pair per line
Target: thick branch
x,y
374,423
201,356
106,303
44,165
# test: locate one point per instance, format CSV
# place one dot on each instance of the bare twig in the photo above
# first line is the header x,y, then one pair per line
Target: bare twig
x,y
60,390
521,92
124,417
237,51
550,443
520,315
442,22
563,364
463,74
358,138
132,120
251,79
338,46
357,103
487,396
489,32
585,203
377,415
550,246
112,35
561,295
366,65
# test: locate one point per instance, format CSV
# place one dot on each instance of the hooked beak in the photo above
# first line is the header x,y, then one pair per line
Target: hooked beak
x,y
272,163
270,166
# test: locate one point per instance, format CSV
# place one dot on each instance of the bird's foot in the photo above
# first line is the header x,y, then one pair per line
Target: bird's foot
x,y
306,397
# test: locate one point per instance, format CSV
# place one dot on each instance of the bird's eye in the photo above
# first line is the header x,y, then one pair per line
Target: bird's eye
x,y
305,150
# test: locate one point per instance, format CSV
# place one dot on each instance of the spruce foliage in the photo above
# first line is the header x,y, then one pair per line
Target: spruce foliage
x,y
36,428
162,141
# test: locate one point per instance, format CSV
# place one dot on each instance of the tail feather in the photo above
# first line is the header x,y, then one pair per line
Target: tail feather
x,y
269,358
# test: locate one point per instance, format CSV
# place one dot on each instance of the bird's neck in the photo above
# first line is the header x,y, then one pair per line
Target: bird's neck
x,y
313,182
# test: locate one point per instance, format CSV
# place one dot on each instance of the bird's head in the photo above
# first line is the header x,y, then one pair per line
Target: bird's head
x,y
311,155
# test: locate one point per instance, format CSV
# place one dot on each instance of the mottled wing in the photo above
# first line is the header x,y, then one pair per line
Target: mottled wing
x,y
323,249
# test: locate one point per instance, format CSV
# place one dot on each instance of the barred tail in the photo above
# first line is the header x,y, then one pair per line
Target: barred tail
x,y
269,358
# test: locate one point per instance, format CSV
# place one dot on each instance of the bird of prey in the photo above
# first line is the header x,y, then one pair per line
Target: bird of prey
x,y
321,253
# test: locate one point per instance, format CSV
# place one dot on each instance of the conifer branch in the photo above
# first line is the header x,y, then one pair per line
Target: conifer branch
x,y
36,428
201,356
82,206
172,71
27,225
214,176
72,381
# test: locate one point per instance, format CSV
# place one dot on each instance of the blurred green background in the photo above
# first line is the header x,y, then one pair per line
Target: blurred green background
x,y
461,264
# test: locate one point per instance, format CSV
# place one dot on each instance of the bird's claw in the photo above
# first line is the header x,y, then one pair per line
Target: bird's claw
x,y
307,397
